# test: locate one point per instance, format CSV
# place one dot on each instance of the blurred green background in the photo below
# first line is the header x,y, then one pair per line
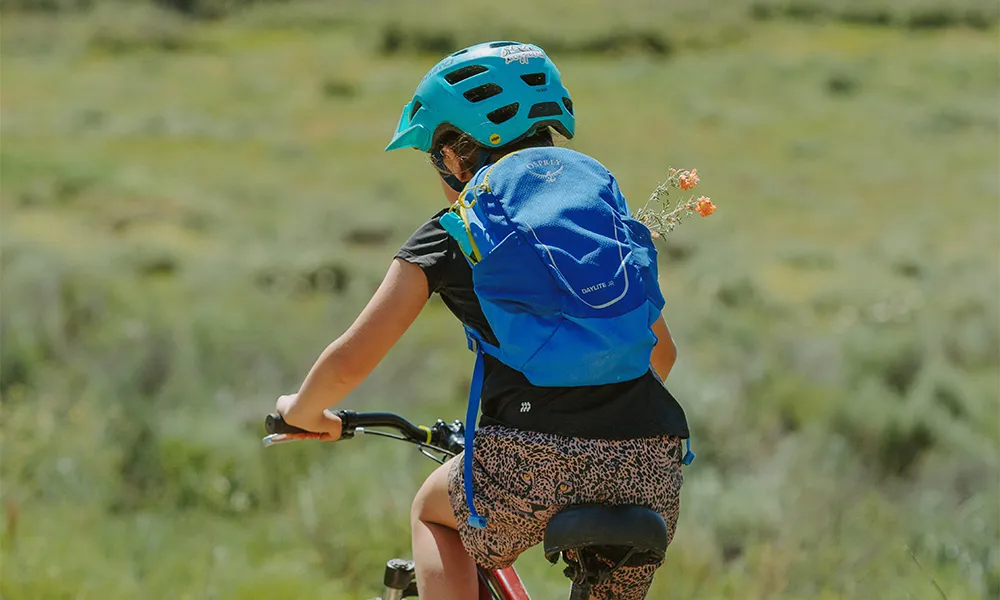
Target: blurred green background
x,y
195,201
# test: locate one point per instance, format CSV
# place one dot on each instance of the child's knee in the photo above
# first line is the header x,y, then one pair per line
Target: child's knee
x,y
431,504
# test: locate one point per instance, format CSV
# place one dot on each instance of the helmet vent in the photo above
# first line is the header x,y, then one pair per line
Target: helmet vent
x,y
478,94
544,109
416,106
464,73
503,114
462,51
502,44
534,78
568,104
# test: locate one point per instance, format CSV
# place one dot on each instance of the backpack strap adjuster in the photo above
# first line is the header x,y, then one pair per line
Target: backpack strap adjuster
x,y
688,456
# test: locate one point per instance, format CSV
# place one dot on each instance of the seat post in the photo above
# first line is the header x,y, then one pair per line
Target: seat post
x,y
580,592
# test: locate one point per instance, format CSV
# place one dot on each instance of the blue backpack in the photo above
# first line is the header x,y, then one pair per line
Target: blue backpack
x,y
567,279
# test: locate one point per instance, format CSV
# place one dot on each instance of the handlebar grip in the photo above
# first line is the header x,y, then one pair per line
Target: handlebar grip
x,y
274,423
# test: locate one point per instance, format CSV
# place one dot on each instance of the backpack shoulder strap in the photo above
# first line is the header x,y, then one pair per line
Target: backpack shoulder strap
x,y
475,392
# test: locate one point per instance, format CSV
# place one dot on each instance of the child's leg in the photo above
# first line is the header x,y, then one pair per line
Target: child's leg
x,y
444,570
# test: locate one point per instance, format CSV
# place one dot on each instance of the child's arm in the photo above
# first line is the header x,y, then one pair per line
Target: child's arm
x,y
665,352
352,356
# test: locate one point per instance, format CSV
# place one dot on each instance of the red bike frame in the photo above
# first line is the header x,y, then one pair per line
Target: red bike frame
x,y
507,584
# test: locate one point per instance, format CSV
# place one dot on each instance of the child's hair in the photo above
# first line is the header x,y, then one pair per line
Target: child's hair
x,y
468,149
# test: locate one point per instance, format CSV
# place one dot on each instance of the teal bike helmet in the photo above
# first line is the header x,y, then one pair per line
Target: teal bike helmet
x,y
496,92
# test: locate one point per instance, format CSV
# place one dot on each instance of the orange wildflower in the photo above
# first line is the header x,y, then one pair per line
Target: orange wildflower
x,y
688,180
704,206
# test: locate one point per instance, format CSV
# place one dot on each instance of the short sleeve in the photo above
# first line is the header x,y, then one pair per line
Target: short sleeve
x,y
430,249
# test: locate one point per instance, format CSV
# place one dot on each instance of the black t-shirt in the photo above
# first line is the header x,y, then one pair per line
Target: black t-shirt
x,y
638,408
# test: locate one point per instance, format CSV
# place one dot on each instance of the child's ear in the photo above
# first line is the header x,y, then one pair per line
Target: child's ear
x,y
454,164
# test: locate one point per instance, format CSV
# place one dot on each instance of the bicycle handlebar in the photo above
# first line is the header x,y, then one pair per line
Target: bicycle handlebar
x,y
449,438
274,424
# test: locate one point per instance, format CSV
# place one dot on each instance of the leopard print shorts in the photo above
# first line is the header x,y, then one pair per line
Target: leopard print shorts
x,y
522,479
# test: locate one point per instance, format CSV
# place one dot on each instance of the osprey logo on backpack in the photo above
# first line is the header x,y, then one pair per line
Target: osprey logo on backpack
x,y
550,173
548,176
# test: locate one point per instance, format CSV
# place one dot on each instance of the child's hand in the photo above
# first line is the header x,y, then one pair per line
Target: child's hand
x,y
324,426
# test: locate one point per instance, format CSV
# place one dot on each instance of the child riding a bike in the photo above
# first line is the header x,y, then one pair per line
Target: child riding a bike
x,y
556,287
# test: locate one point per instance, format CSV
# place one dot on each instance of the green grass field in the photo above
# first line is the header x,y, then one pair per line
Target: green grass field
x,y
191,208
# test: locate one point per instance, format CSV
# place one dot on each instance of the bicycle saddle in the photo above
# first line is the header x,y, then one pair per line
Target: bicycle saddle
x,y
627,534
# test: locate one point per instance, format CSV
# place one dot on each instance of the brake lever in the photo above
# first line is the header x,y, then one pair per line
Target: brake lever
x,y
277,438
284,438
